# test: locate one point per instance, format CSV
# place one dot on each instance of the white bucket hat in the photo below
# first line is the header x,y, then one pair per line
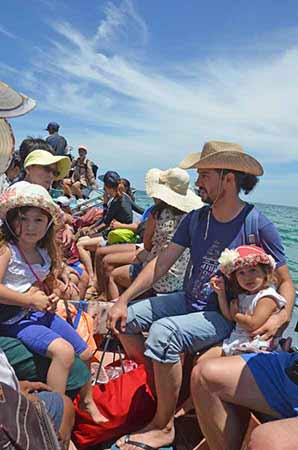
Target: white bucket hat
x,y
28,194
12,103
172,187
7,143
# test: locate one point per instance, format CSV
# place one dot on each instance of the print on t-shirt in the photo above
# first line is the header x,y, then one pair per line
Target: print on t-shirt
x,y
200,288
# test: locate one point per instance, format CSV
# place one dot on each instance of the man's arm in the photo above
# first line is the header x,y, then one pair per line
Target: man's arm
x,y
149,275
277,322
153,271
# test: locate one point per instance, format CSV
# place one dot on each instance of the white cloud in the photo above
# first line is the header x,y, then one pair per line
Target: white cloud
x,y
129,110
121,23
7,33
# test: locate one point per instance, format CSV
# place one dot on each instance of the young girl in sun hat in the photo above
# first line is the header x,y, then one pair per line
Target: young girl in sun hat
x,y
173,198
249,277
28,254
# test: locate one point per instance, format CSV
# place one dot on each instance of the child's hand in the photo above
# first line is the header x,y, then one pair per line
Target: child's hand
x,y
54,299
40,301
218,284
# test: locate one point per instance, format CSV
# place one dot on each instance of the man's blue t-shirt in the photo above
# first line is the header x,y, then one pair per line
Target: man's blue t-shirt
x,y
219,235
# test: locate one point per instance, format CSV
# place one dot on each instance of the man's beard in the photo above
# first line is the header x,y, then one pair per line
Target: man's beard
x,y
204,197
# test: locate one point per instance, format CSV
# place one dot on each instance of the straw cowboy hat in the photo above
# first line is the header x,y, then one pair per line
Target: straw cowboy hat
x,y
223,155
243,256
12,103
44,158
172,187
7,143
28,194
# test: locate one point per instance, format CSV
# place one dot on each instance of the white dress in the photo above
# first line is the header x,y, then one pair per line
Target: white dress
x,y
239,341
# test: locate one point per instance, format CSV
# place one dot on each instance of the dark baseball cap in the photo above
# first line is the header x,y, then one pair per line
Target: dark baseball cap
x,y
111,179
53,126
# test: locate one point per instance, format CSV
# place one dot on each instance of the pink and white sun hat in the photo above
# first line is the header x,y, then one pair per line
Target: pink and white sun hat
x,y
27,194
243,256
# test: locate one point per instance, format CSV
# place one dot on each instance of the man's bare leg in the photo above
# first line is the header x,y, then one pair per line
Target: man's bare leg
x,y
134,348
160,431
218,386
277,435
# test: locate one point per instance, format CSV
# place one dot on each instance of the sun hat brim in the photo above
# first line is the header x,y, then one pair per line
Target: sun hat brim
x,y
28,194
44,158
13,103
7,144
233,160
155,189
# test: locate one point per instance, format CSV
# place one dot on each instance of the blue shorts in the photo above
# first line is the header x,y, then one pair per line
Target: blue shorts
x,y
76,266
268,370
175,327
39,329
54,405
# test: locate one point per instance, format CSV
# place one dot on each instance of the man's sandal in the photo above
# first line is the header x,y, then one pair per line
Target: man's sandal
x,y
141,445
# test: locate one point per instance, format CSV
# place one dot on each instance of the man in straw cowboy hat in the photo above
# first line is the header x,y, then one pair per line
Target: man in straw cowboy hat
x,y
190,320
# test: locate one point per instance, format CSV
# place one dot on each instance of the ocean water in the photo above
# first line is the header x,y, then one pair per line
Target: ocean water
x,y
284,217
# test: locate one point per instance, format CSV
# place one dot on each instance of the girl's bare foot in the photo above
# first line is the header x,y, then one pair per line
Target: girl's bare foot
x,y
90,407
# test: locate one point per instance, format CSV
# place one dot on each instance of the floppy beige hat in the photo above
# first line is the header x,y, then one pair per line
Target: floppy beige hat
x,y
223,155
7,143
44,158
12,103
172,186
28,194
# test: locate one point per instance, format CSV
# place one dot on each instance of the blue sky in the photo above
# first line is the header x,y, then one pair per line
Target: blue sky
x,y
142,83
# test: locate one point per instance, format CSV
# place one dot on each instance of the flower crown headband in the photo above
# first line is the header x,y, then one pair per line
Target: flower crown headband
x,y
243,256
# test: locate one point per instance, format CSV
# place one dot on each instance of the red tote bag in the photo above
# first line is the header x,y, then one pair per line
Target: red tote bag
x,y
126,401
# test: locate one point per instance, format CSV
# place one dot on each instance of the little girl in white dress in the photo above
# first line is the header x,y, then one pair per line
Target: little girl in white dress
x,y
249,272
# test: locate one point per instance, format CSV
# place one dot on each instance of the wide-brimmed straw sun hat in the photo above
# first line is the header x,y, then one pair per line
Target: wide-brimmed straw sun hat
x,y
243,256
28,194
223,155
13,103
44,158
172,187
7,143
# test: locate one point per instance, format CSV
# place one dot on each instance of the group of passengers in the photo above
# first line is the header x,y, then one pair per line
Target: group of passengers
x,y
238,275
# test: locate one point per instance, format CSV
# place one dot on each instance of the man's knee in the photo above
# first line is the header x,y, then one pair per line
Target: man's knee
x,y
262,438
164,342
276,435
205,374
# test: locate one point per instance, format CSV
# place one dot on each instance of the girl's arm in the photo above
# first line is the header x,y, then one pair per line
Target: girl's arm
x,y
218,285
264,309
148,232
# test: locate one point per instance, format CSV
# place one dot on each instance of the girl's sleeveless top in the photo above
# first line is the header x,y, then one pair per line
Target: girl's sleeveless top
x,y
19,277
164,231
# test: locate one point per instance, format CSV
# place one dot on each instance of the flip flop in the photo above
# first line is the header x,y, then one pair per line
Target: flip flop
x,y
137,444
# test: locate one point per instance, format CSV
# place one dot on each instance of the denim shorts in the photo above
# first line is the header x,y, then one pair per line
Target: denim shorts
x,y
134,270
54,405
175,327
